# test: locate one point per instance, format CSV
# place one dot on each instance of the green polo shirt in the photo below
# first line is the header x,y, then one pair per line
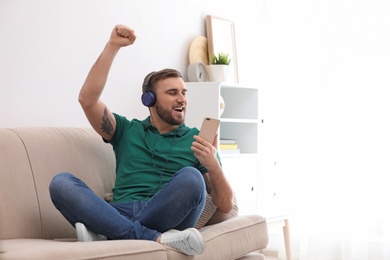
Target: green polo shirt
x,y
146,160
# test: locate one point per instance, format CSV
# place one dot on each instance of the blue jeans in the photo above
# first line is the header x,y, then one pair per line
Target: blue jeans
x,y
177,205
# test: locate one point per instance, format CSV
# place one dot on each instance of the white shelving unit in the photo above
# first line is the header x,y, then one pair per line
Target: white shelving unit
x,y
239,121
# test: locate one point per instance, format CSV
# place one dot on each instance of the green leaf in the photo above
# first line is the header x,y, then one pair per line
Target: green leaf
x,y
222,58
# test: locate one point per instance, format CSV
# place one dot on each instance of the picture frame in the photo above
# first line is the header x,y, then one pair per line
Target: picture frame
x,y
221,37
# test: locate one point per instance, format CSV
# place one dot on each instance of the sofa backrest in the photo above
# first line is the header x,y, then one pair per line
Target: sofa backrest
x,y
29,158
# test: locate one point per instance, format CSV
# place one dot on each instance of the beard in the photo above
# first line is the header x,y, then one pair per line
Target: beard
x,y
166,115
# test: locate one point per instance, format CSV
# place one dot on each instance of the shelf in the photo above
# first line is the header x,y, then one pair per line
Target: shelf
x,y
240,102
223,85
244,132
239,120
238,155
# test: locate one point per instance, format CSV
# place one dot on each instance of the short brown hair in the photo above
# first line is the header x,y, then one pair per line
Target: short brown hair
x,y
151,79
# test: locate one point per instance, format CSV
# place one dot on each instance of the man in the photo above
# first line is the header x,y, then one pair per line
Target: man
x,y
162,166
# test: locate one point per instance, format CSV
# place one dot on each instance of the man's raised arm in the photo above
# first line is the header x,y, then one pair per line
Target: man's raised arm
x,y
99,116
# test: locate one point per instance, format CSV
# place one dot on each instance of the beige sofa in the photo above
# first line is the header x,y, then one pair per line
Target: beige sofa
x,y
31,228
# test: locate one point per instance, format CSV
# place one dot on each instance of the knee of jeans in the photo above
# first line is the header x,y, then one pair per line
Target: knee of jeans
x,y
193,176
58,182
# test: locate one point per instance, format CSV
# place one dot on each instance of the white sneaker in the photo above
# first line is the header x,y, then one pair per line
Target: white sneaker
x,y
85,235
189,241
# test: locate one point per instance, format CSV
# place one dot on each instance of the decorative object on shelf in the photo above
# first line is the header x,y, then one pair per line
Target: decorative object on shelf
x,y
221,38
196,72
222,58
199,50
228,146
221,105
228,141
226,151
220,69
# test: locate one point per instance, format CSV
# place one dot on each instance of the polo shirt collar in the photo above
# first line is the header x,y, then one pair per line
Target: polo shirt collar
x,y
180,131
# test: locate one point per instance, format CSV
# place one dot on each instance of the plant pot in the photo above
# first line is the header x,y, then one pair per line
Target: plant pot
x,y
219,73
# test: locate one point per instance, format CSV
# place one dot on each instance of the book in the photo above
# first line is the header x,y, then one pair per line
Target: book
x,y
227,141
228,146
235,151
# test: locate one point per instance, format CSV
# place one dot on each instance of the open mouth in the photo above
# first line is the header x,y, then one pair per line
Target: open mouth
x,y
178,109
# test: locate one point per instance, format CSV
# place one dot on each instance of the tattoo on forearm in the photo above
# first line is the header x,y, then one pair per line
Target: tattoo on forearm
x,y
107,126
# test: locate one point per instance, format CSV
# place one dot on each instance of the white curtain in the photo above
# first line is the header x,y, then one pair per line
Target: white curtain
x,y
325,100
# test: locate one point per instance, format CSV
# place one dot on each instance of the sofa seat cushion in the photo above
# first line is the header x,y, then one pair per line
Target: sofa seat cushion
x,y
39,249
230,239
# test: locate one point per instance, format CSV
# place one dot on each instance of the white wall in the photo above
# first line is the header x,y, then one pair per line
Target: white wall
x,y
48,47
325,71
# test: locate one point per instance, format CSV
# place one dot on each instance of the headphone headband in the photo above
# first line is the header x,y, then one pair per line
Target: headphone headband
x,y
145,86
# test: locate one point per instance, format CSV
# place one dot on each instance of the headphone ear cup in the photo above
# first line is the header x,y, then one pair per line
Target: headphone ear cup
x,y
148,99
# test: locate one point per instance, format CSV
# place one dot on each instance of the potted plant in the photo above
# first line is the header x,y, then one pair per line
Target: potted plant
x,y
219,68
222,58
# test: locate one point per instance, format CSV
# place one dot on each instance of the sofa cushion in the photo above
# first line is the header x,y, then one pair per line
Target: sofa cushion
x,y
220,216
79,151
230,239
19,203
207,213
39,249
211,215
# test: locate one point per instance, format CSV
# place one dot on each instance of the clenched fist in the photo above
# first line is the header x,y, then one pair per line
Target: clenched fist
x,y
122,35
